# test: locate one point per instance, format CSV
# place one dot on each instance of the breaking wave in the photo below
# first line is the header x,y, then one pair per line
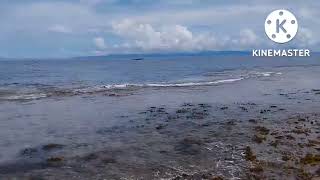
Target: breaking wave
x,y
58,92
120,86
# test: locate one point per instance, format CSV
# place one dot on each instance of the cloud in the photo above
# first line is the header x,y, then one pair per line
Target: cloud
x,y
165,38
145,26
143,37
306,38
100,43
246,38
58,28
97,2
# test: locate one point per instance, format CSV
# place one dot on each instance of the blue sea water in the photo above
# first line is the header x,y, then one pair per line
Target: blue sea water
x,y
38,78
80,122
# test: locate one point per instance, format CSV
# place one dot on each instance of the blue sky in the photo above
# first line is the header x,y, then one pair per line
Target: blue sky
x,y
67,28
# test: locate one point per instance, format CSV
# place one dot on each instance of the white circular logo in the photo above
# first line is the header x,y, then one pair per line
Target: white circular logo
x,y
281,26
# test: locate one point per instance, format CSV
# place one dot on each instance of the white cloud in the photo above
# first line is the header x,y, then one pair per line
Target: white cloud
x,y
246,38
166,38
306,38
96,2
169,25
59,29
171,38
144,37
100,43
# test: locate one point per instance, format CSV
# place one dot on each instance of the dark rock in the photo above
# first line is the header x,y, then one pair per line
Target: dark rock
x,y
258,138
264,111
311,159
275,143
50,147
262,130
187,105
205,124
253,121
216,178
202,176
29,152
55,161
197,115
224,108
90,157
231,122
249,155
290,137
163,152
204,105
313,143
279,137
182,111
109,160
257,168
285,158
113,95
160,126
301,131
243,108
189,146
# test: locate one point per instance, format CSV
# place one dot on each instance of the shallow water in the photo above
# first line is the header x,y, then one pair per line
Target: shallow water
x,y
78,119
115,119
35,79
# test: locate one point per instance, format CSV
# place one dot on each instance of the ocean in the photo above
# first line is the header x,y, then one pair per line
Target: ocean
x,y
35,79
169,114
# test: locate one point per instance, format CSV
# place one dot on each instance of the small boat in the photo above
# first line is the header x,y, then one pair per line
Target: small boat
x,y
138,59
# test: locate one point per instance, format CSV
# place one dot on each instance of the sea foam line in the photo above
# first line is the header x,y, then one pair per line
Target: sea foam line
x,y
121,86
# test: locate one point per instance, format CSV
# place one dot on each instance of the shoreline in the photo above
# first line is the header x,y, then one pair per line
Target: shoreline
x,y
220,132
188,144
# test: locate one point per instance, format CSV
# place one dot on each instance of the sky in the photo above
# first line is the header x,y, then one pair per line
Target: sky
x,y
69,28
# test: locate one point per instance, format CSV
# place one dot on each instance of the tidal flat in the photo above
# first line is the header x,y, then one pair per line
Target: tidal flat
x,y
260,128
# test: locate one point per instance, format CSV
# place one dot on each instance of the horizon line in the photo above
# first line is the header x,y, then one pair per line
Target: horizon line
x,y
248,52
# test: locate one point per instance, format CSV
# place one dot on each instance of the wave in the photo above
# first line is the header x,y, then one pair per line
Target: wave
x,y
60,92
122,86
104,88
33,96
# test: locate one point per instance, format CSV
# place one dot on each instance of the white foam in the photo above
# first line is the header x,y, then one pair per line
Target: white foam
x,y
26,96
266,74
121,86
97,89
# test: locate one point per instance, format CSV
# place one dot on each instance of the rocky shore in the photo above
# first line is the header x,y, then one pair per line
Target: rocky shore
x,y
194,141
268,131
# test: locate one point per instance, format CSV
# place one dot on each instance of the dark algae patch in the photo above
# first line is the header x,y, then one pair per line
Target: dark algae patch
x,y
249,155
53,146
262,130
311,159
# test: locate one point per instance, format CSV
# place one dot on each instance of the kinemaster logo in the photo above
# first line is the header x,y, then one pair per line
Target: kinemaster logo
x,y
281,26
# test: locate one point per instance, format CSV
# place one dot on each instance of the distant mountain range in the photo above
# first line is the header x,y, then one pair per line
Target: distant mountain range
x,y
138,57
159,55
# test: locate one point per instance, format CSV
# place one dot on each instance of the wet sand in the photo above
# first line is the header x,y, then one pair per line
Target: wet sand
x,y
266,128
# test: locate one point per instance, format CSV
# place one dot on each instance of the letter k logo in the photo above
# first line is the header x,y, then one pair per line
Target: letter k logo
x,y
281,26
